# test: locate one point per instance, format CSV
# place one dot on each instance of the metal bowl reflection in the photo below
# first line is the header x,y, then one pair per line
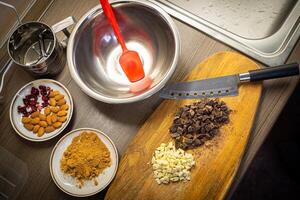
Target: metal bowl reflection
x,y
93,50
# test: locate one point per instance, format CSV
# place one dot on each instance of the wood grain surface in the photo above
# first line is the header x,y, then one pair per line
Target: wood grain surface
x,y
216,162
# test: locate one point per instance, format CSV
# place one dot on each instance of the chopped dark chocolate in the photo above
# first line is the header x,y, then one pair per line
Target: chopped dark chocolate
x,y
194,124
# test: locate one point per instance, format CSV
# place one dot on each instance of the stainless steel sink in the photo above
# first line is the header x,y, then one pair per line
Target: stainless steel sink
x,y
266,30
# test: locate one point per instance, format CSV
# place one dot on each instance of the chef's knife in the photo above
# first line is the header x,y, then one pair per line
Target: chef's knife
x,y
225,85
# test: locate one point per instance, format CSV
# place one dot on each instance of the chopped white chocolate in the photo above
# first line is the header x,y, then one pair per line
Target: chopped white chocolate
x,y
171,165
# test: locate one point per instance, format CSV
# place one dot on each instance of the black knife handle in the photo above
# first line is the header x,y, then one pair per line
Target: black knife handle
x,y
274,72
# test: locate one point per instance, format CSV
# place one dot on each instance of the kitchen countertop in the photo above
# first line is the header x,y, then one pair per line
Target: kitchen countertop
x,y
114,119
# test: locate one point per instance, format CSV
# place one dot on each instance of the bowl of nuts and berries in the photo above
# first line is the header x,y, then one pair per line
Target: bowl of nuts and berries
x,y
41,110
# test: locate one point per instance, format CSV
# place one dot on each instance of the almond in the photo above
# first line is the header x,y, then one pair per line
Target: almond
x,y
58,97
53,118
52,102
64,107
36,128
57,124
28,126
53,93
49,119
62,119
26,120
54,109
35,114
49,129
35,120
41,132
47,111
61,102
43,124
42,117
62,113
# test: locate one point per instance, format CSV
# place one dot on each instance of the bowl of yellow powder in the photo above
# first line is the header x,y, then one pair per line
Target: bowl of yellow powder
x,y
83,162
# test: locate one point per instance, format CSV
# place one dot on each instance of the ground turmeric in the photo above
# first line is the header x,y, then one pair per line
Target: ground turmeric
x,y
85,158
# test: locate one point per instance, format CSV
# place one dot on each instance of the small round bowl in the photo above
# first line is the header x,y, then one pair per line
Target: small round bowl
x,y
67,183
16,118
93,51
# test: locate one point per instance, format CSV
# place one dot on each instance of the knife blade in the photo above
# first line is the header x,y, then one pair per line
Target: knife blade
x,y
213,87
225,85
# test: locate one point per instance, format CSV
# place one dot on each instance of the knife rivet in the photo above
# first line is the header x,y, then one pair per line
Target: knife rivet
x,y
195,94
187,94
219,91
179,94
203,93
211,93
227,91
172,94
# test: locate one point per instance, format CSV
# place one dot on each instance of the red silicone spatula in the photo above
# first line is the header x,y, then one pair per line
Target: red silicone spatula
x,y
129,60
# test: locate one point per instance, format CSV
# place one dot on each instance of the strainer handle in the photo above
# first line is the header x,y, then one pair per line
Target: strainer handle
x,y
62,26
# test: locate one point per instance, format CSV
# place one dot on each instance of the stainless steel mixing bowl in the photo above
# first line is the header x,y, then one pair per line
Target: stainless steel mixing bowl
x,y
93,50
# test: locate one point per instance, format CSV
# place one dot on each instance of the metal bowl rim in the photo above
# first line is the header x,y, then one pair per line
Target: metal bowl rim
x,y
142,96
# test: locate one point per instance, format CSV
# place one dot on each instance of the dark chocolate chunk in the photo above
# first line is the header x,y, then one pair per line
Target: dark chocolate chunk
x,y
191,129
173,129
198,142
180,130
175,135
194,124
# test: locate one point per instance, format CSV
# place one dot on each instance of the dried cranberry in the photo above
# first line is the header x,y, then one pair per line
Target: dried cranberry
x,y
43,92
42,87
32,103
21,109
31,97
45,104
45,98
26,102
34,91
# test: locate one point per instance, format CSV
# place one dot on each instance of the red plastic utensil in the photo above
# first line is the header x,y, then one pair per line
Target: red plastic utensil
x,y
129,60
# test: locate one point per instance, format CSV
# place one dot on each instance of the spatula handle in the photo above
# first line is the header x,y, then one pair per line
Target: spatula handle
x,y
109,13
271,72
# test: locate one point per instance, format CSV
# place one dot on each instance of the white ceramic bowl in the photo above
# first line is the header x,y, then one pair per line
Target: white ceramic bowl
x,y
15,117
67,183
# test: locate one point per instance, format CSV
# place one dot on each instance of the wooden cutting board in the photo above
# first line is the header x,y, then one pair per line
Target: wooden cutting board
x,y
216,162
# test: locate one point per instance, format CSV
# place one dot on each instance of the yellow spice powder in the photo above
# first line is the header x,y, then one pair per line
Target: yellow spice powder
x,y
85,158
